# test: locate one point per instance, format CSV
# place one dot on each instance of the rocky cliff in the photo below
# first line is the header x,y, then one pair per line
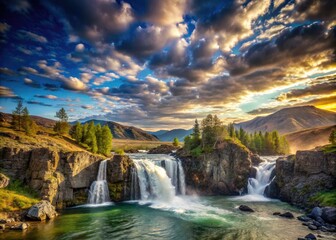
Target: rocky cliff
x,y
300,176
63,178
224,171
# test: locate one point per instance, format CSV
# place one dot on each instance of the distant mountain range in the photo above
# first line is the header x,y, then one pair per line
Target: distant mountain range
x,y
309,138
126,132
291,120
169,135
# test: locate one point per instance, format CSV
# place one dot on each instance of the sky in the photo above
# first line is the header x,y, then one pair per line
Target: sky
x,y
159,64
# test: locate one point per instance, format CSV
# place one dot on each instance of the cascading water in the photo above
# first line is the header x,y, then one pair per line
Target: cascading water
x,y
99,192
256,186
159,177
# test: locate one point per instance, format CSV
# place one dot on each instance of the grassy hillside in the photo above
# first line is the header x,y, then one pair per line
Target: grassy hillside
x,y
309,138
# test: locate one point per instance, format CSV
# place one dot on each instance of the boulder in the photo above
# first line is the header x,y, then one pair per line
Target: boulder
x,y
4,180
329,214
316,213
223,171
245,208
310,236
163,149
42,211
287,215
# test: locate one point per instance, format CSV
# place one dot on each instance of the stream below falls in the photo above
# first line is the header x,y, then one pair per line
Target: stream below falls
x,y
161,210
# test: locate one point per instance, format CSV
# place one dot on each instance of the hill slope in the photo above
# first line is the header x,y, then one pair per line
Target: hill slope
x,y
126,132
309,138
168,136
291,120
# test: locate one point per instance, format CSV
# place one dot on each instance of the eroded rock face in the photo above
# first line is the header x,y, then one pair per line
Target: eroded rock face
x,y
119,177
301,176
225,171
42,211
61,178
4,180
163,149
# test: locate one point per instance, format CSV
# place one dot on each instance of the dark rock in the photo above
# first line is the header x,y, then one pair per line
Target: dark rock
x,y
306,223
329,214
301,176
300,238
42,211
316,212
4,180
320,220
163,149
304,218
245,208
317,224
276,213
287,215
312,227
224,171
310,236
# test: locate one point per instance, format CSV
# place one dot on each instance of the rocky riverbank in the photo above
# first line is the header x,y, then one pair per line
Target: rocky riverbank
x,y
64,178
299,177
224,171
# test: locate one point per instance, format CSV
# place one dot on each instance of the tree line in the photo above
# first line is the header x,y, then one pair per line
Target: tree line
x,y
212,130
96,139
22,121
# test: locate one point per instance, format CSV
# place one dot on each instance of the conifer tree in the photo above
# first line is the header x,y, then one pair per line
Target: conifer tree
x,y
17,116
332,137
176,142
90,138
99,138
62,126
106,140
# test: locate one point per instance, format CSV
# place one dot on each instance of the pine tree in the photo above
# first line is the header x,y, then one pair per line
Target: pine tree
x,y
231,130
90,138
85,131
106,140
17,116
176,142
27,123
77,132
99,138
62,126
196,131
332,137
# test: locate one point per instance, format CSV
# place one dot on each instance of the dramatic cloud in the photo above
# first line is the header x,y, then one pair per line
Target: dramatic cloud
x,y
39,103
52,97
164,63
25,35
6,92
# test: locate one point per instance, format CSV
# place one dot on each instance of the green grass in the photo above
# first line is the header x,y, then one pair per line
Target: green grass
x,y
16,197
325,198
331,148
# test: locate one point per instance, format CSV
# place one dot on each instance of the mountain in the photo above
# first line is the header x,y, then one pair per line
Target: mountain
x,y
168,136
126,132
45,122
309,138
158,133
291,120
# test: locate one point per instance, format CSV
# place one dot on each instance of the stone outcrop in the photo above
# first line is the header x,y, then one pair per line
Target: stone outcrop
x,y
59,177
119,177
301,176
42,211
163,149
64,178
4,180
224,171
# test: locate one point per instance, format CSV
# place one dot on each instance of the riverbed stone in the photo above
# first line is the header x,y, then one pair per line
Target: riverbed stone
x,y
312,227
42,211
245,208
287,215
315,213
329,214
310,236
304,218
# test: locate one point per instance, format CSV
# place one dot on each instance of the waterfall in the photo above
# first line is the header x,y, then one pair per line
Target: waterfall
x,y
99,192
257,185
158,177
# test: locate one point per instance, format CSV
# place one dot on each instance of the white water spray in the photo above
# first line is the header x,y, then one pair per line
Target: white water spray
x,y
159,177
99,192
